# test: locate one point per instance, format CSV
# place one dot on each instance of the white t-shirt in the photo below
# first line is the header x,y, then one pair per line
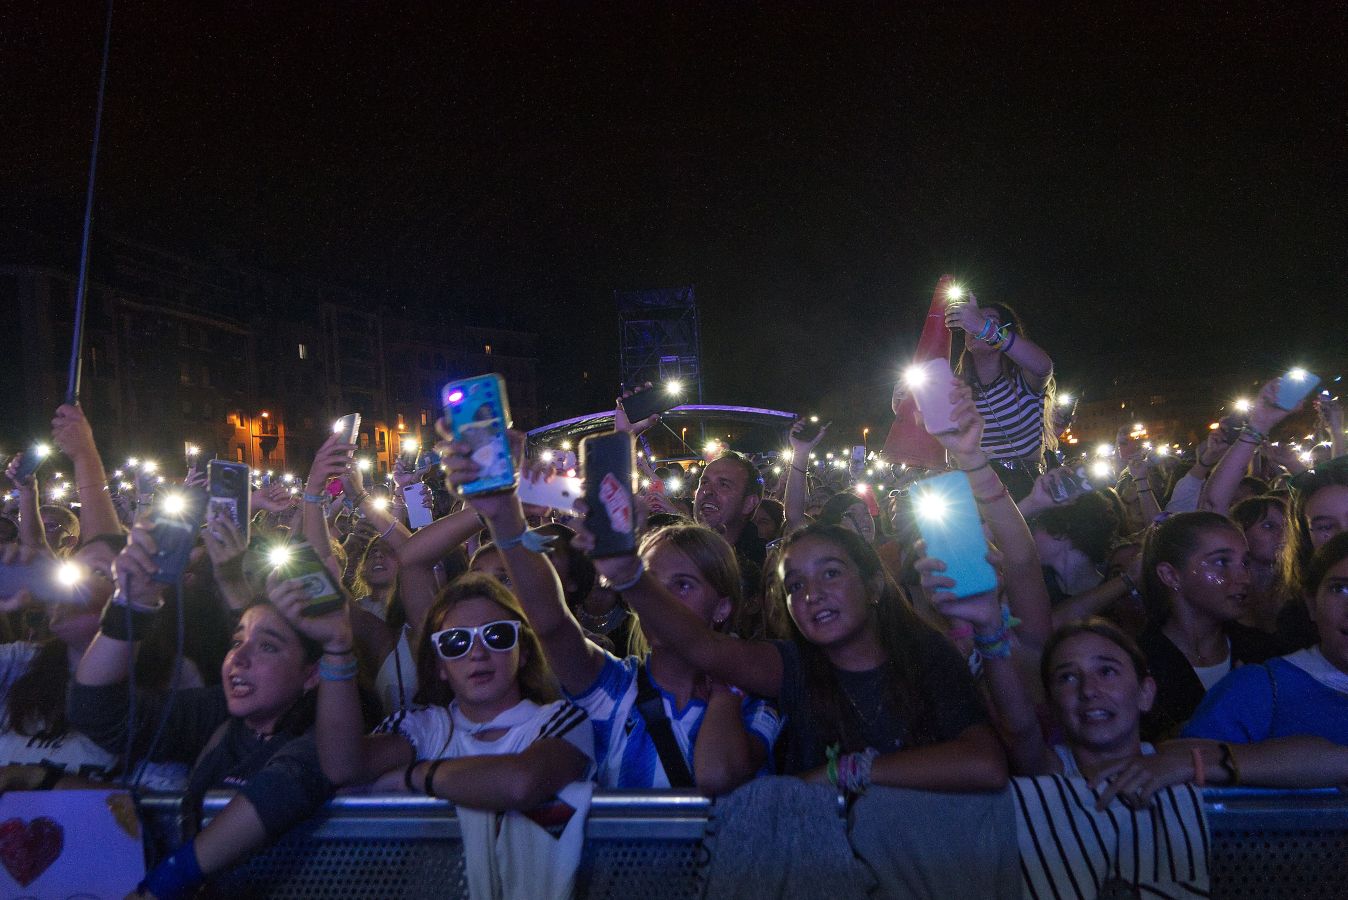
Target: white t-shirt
x,y
72,751
437,732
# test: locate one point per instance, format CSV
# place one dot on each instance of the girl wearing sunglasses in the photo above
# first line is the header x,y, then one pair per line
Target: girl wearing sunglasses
x,y
659,722
488,731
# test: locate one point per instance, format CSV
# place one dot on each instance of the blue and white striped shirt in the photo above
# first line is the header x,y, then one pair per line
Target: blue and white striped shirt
x,y
623,748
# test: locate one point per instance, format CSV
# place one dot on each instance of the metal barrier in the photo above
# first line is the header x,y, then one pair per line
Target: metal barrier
x,y
1264,844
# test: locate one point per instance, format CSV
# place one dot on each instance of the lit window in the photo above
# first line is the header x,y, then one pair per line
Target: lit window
x,y
304,351
487,349
425,417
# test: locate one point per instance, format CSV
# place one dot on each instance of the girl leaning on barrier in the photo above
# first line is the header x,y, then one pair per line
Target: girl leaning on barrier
x,y
659,722
487,731
253,733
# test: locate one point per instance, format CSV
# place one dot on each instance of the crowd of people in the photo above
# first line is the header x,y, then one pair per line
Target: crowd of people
x,y
1183,622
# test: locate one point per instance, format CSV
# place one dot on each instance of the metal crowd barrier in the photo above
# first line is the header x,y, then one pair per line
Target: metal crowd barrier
x,y
1264,844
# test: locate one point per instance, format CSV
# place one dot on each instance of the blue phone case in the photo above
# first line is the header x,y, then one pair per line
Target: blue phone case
x,y
1292,391
479,415
955,536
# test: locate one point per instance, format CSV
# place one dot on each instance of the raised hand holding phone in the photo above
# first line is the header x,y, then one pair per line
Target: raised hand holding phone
x,y
947,517
292,599
804,438
963,435
982,611
637,410
460,468
333,460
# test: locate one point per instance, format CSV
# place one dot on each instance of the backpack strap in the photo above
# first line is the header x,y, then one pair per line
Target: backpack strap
x,y
651,706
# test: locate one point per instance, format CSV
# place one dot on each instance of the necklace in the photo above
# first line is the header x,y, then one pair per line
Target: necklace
x,y
604,624
1201,660
879,704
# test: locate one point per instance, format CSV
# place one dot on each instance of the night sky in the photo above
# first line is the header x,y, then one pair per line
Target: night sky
x,y
1161,189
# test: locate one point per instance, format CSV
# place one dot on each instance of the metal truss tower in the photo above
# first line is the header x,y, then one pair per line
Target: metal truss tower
x,y
660,338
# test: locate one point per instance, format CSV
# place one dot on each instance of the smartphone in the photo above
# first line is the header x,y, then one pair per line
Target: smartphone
x,y
348,426
1294,387
427,460
409,452
479,415
324,593
1230,425
607,461
41,578
931,383
947,517
648,402
228,489
30,461
1068,485
419,515
560,493
146,483
809,430
174,523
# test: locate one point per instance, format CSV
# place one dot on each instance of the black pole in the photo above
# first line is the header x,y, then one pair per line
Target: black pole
x,y
77,339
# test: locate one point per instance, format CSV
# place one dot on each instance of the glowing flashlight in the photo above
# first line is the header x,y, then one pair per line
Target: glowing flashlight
x,y
1298,374
674,387
278,556
1242,405
363,464
954,292
69,574
174,504
930,505
915,376
674,485
409,445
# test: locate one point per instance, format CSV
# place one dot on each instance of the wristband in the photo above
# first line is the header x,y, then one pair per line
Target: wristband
x,y
1200,771
1259,436
340,672
176,877
361,498
987,330
528,539
1131,585
407,776
123,621
383,535
1010,342
429,783
316,499
1000,495
626,585
978,468
345,651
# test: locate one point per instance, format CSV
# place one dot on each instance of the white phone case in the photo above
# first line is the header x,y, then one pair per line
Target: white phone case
x,y
932,395
418,516
560,493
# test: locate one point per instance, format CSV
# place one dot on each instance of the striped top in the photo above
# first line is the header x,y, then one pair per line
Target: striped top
x,y
625,752
1013,417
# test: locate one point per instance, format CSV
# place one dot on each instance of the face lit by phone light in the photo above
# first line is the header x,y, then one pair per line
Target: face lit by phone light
x,y
485,682
265,672
828,597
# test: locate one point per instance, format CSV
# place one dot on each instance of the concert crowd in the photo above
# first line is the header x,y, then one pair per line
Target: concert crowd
x,y
1135,622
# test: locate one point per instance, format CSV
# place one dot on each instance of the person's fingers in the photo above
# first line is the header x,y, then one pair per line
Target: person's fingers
x,y
926,564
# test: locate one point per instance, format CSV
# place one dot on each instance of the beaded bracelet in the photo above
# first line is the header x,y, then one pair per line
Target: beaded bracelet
x,y
998,644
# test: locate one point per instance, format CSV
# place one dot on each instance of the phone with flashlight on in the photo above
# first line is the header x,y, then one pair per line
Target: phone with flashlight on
x,y
301,561
479,415
173,525
947,518
931,384
649,402
31,460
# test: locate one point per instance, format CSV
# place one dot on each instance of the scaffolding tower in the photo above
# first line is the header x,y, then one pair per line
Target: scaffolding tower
x,y
660,340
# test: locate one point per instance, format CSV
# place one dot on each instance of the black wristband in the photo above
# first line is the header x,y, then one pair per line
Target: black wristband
x,y
407,776
428,785
54,774
115,624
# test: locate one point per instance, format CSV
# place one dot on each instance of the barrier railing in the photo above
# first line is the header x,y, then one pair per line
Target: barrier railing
x,y
649,845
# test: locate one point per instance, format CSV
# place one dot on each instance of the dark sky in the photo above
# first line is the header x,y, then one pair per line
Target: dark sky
x,y
1154,188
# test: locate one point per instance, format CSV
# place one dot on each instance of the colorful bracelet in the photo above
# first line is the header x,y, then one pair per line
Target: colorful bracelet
x,y
989,328
854,770
998,644
316,499
1010,342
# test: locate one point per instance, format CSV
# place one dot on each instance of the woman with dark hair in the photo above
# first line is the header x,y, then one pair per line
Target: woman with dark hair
x,y
1264,521
1012,380
252,733
1318,512
849,511
1303,693
1073,540
1196,584
869,691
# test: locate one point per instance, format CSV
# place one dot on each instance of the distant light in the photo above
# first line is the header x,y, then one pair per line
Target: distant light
x,y
1104,450
711,447
1163,450
814,418
776,470
1305,457
1242,404
42,451
410,445
828,456
132,462
674,387
287,477
1213,426
645,483
861,487
363,464
1064,399
265,414
193,449
1101,469
546,456
59,491
674,485
787,454
380,503
566,445
149,465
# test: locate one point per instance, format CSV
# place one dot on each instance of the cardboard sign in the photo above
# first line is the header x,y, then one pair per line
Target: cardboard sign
x,y
60,844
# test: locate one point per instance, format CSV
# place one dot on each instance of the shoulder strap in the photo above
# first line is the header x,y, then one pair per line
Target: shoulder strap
x,y
652,709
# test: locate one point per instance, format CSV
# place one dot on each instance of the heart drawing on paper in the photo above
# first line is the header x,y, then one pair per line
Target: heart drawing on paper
x,y
27,849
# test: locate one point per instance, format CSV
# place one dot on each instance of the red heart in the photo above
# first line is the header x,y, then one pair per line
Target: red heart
x,y
28,849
